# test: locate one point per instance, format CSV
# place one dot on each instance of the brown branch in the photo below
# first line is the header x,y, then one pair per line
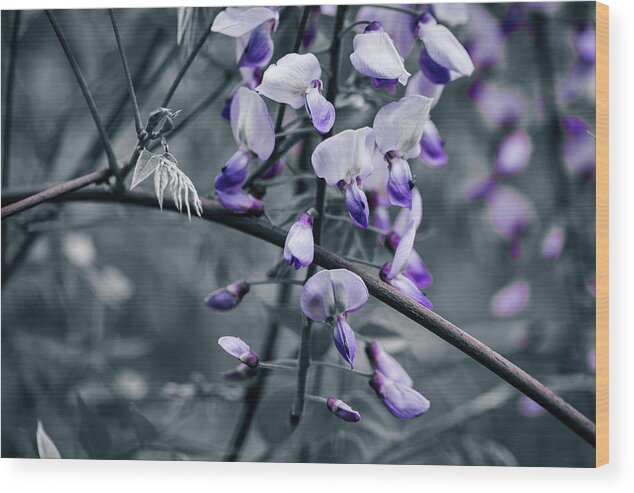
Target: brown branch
x,y
472,347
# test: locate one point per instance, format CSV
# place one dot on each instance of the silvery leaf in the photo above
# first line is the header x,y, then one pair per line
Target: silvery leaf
x,y
45,446
145,166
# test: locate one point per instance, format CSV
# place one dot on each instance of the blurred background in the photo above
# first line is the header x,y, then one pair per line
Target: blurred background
x,y
105,336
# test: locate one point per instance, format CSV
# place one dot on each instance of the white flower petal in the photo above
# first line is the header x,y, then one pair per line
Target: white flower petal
x,y
422,86
376,56
406,217
398,126
331,293
344,156
236,22
287,80
251,123
398,25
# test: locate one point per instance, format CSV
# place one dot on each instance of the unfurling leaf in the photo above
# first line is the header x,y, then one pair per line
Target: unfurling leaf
x,y
145,166
45,446
169,176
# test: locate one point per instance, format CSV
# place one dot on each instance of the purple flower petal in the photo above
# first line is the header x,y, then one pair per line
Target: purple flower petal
x,y
400,183
487,40
239,201
320,110
553,243
228,297
509,211
579,146
251,123
357,205
274,171
443,47
299,247
500,107
240,372
288,80
482,188
237,348
418,272
579,80
584,39
432,70
234,173
332,293
342,410
398,126
511,299
405,286
344,156
513,153
259,49
403,402
344,339
432,147
387,365
375,56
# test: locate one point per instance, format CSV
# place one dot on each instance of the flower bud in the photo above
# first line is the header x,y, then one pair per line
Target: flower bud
x,y
160,122
240,372
299,248
342,410
228,297
239,349
402,401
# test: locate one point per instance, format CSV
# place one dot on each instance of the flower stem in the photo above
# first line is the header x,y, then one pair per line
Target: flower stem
x,y
138,124
351,27
274,366
275,281
316,398
342,368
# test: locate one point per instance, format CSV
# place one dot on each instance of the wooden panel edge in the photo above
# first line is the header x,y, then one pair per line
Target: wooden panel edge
x,y
602,234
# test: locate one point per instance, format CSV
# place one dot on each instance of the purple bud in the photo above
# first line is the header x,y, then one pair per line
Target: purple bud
x,y
237,348
228,297
513,153
579,146
234,173
342,410
299,248
482,188
432,147
584,39
389,84
405,286
345,340
553,243
374,26
387,365
239,201
418,272
511,299
402,401
400,183
357,205
513,18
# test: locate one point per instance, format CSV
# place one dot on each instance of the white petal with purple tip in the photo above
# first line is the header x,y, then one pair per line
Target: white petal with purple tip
x,y
376,56
399,125
288,80
236,22
251,123
330,293
445,49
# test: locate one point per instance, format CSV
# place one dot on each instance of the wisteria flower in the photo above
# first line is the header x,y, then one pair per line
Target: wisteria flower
x,y
420,85
400,26
407,221
529,408
442,58
510,214
253,131
239,349
511,299
486,39
394,386
296,80
398,129
553,243
513,153
342,410
299,247
227,297
344,161
375,56
329,296
579,147
500,107
252,27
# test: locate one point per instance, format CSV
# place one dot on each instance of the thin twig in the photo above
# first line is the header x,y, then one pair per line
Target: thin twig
x,y
83,85
138,123
469,345
190,59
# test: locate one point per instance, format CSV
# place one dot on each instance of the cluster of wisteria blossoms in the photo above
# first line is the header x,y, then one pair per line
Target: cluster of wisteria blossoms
x,y
367,166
